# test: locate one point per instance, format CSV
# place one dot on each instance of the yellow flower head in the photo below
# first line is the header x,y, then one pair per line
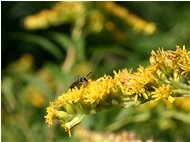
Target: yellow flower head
x,y
135,84
51,111
62,12
183,60
172,63
163,92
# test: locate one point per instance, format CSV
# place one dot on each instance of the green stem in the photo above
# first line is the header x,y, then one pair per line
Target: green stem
x,y
180,85
181,92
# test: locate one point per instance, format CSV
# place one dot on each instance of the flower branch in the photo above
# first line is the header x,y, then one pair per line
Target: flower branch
x,y
166,77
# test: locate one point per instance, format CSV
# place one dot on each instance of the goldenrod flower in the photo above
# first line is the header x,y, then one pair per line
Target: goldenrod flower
x,y
164,92
62,12
166,77
172,63
35,96
137,23
95,20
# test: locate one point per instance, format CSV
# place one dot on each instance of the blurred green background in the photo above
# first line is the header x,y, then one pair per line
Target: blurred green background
x,y
47,45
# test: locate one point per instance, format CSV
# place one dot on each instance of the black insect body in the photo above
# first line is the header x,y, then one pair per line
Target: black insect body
x,y
80,80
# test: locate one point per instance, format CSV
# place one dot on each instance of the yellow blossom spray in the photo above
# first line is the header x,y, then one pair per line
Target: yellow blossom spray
x,y
167,77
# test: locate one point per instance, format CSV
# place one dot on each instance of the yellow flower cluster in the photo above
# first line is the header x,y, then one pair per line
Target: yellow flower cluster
x,y
135,83
61,12
125,89
175,63
95,20
134,21
164,92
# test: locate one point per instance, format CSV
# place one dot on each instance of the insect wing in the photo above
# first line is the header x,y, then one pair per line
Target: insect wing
x,y
82,79
73,84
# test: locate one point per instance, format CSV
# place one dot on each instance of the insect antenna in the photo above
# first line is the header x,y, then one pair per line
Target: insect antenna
x,y
88,74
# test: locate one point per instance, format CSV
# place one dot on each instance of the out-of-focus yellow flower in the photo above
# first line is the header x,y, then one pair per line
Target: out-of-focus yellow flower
x,y
35,96
92,136
26,61
41,20
125,89
109,25
62,12
183,103
24,64
166,123
46,76
95,20
134,21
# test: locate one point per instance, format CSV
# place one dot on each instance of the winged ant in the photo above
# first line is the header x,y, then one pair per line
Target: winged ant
x,y
80,80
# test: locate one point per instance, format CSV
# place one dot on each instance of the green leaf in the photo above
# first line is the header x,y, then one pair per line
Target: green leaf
x,y
62,39
42,41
